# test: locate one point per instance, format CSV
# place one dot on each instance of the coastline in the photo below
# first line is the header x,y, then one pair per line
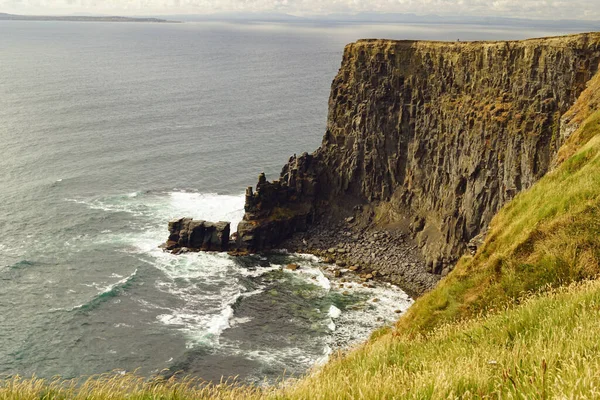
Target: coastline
x,y
45,18
367,254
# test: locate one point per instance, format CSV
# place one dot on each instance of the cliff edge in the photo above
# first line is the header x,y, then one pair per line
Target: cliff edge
x,y
437,135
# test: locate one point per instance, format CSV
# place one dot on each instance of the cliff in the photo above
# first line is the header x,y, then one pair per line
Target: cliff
x,y
438,134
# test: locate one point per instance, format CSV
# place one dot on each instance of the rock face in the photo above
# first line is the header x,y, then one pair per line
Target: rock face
x,y
443,133
198,235
280,208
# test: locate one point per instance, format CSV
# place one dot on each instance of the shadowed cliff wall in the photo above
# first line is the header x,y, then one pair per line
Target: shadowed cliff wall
x,y
447,132
444,133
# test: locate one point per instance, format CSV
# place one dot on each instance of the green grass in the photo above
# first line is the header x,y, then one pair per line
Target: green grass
x,y
547,347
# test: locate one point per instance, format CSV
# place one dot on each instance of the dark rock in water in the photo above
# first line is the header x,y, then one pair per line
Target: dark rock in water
x,y
197,235
278,209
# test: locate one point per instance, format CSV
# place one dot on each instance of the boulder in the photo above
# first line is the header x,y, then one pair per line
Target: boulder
x,y
197,235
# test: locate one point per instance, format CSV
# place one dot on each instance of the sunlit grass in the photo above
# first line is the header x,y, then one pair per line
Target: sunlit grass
x,y
121,386
546,347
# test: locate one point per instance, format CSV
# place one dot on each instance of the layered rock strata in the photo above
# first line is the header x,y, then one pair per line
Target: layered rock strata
x,y
444,133
431,136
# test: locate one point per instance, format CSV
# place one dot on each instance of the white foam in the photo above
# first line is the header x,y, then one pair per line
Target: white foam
x,y
200,325
258,271
379,308
334,312
162,207
316,276
331,325
326,353
253,293
219,323
308,257
239,321
123,281
282,357
208,206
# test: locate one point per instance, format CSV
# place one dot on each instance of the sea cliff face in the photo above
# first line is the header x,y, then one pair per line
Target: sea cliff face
x,y
426,138
438,134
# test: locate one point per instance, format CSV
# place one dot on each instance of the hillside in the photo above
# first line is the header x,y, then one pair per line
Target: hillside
x,y
511,321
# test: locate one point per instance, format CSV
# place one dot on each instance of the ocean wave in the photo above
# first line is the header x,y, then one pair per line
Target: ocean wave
x,y
109,291
201,328
313,275
256,272
294,360
327,351
208,206
22,264
163,206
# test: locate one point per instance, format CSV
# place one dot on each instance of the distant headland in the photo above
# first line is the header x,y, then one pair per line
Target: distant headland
x,y
15,17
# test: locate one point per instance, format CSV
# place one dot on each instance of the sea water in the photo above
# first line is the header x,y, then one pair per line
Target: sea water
x,y
107,131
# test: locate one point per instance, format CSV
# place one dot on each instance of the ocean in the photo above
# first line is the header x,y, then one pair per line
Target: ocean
x,y
107,131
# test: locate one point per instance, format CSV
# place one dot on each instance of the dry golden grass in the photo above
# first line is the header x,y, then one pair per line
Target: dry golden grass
x,y
118,386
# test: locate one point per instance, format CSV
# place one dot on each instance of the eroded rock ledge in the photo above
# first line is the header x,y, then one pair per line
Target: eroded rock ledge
x,y
429,138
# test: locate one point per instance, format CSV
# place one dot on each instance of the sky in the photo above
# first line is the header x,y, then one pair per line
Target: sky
x,y
535,9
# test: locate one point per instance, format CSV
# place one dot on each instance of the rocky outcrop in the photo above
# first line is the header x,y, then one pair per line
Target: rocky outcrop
x,y
444,134
186,233
280,208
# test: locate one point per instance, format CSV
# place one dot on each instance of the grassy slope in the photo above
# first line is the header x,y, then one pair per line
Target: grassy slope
x,y
548,235
506,323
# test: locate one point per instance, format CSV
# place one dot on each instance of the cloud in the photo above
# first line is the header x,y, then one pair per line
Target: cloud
x,y
546,9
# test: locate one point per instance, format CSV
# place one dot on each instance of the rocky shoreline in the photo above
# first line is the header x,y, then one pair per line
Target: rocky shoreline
x,y
367,254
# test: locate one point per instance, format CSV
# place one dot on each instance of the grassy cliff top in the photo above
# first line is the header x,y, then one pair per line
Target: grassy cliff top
x,y
578,40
